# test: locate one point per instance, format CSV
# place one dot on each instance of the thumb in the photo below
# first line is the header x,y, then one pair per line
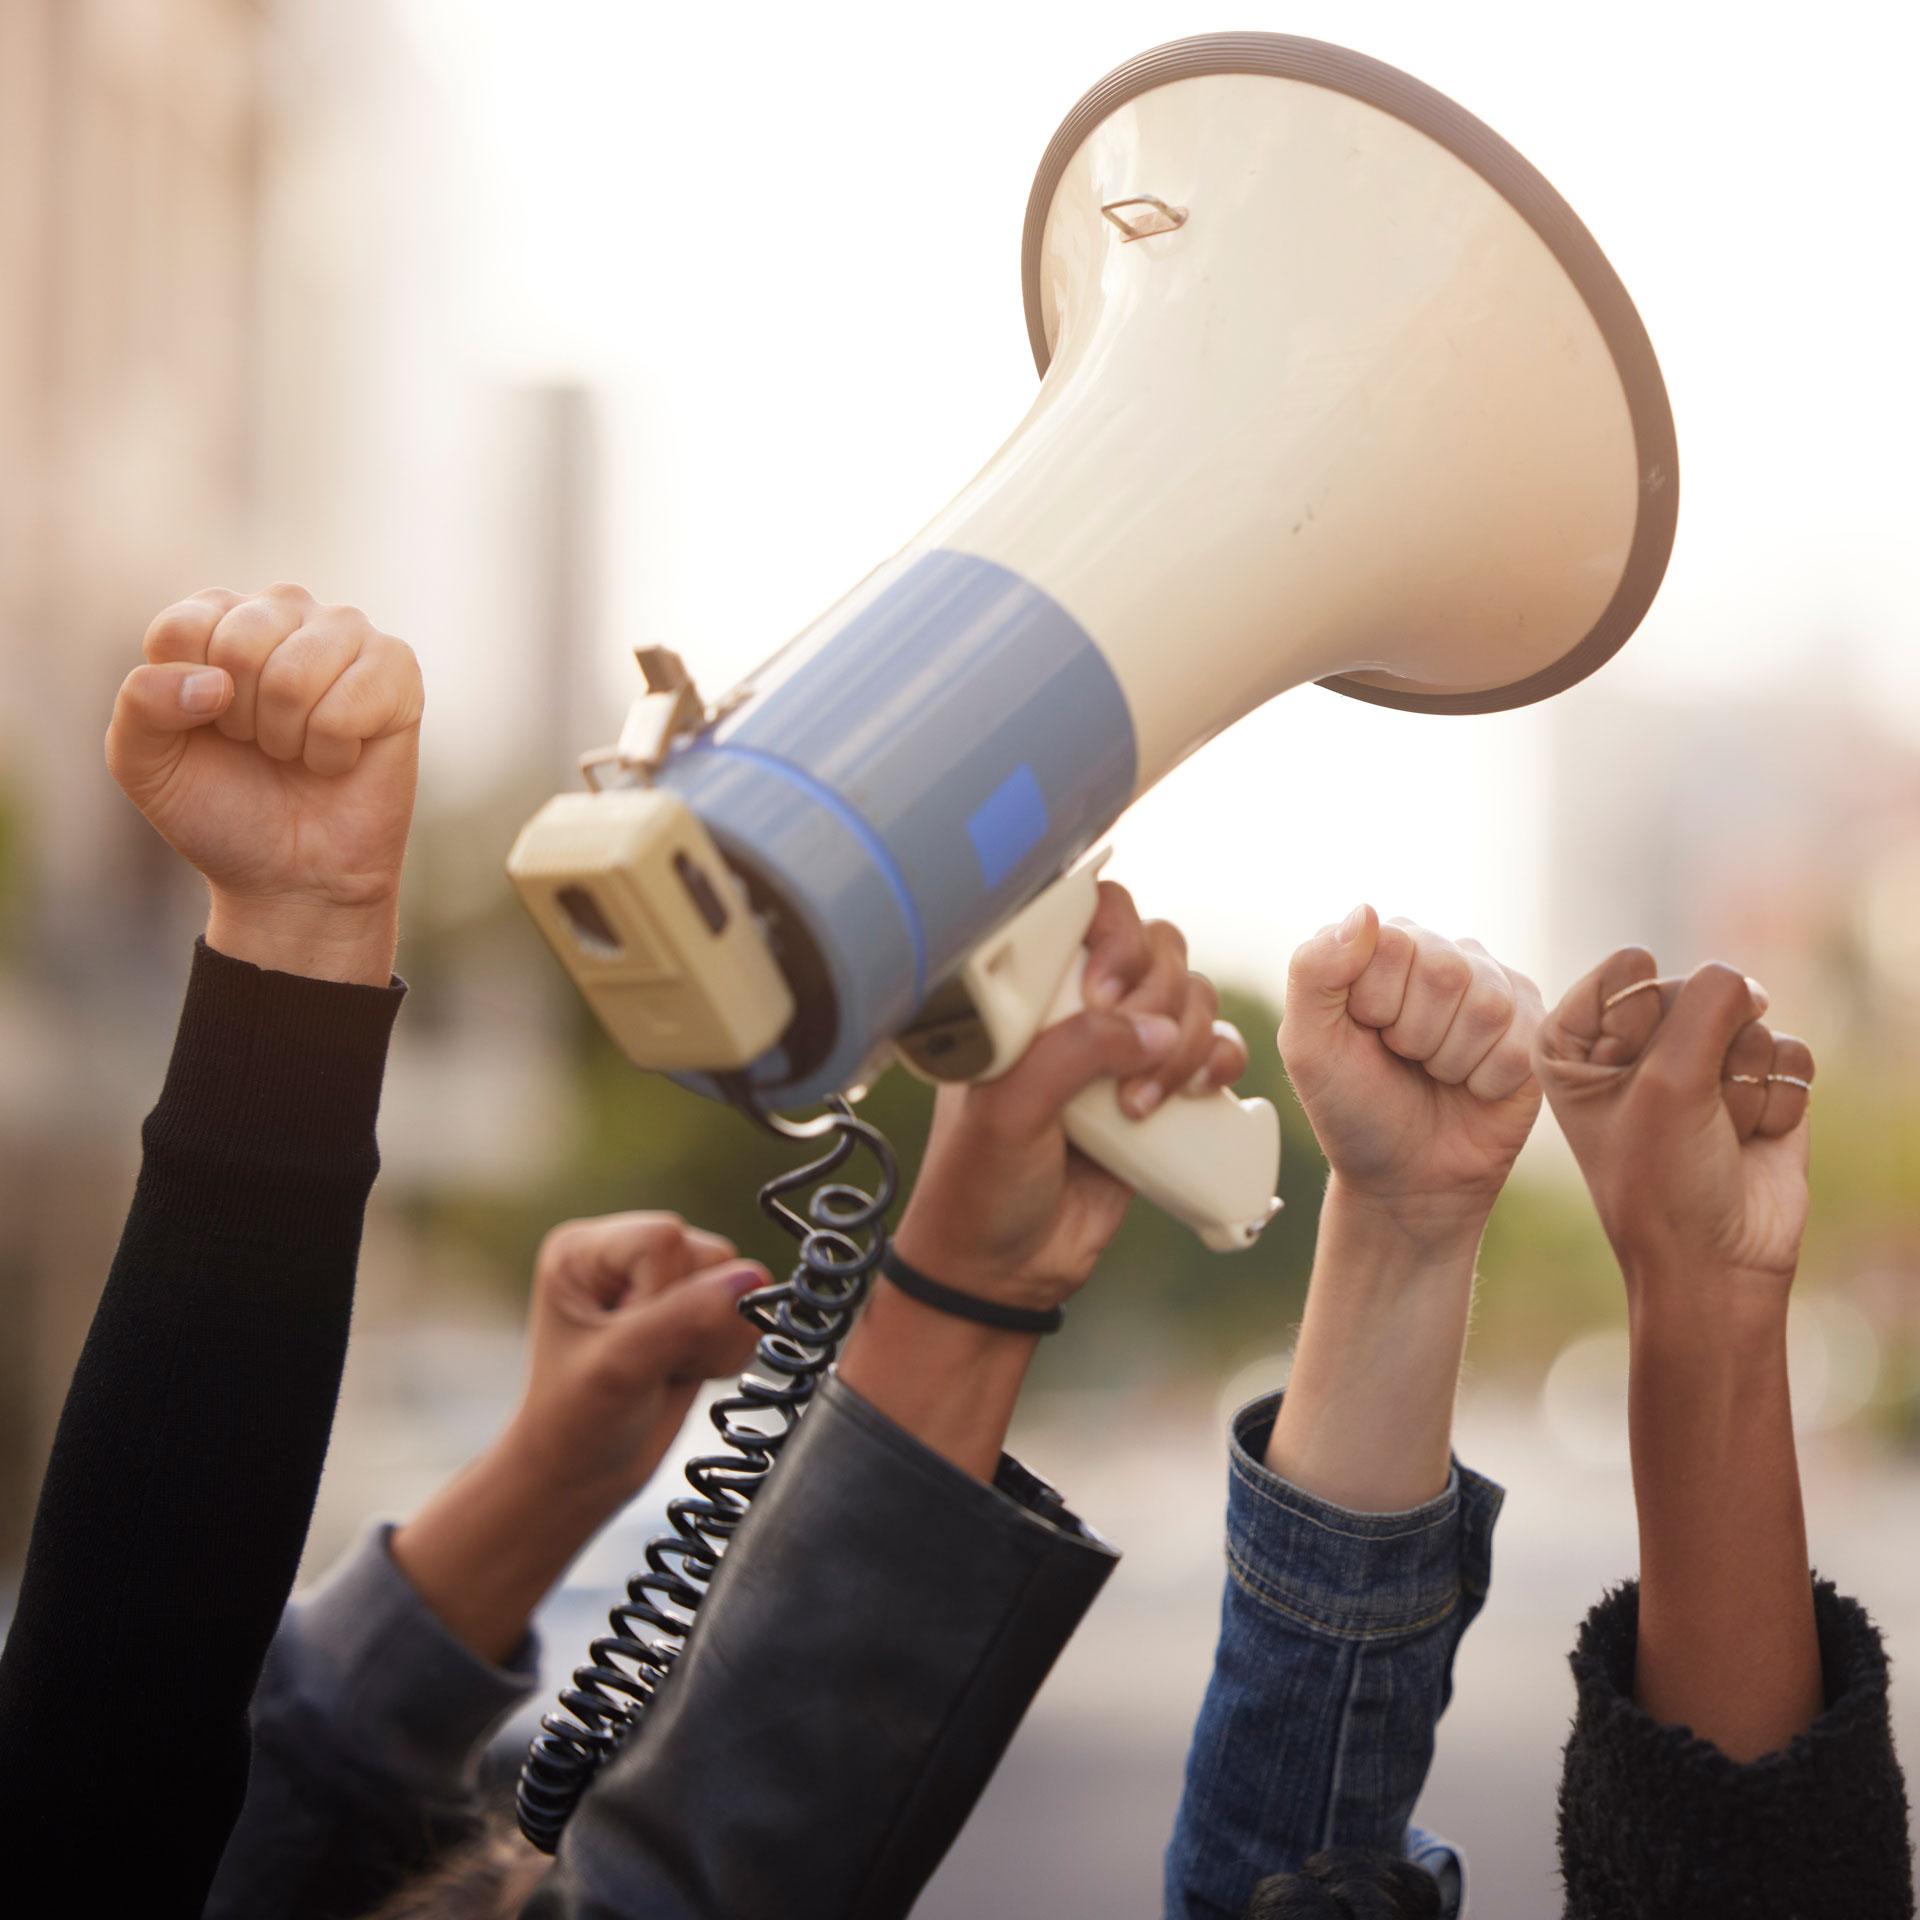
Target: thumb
x,y
693,1331
1324,969
1067,1059
156,708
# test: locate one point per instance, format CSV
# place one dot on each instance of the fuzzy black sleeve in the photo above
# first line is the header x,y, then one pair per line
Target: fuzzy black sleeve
x,y
1655,1822
176,1501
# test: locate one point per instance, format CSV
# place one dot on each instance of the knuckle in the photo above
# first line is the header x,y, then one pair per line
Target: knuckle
x,y
1719,979
1448,971
285,590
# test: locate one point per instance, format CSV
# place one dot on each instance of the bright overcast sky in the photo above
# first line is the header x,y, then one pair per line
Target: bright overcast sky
x,y
783,244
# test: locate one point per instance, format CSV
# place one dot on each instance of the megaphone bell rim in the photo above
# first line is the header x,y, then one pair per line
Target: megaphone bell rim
x,y
1531,195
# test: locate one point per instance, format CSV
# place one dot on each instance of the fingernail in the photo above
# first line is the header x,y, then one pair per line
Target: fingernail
x,y
1100,990
1202,1082
1155,1031
1142,1100
747,1280
1759,993
202,692
1349,928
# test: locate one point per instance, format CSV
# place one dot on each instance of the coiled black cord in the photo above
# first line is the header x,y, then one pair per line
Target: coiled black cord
x,y
802,1321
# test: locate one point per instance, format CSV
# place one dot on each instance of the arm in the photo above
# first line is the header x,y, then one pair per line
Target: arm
x,y
1358,1553
1732,1724
385,1683
184,1467
900,1588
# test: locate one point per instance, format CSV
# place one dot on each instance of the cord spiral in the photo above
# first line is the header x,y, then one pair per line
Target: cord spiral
x,y
842,1237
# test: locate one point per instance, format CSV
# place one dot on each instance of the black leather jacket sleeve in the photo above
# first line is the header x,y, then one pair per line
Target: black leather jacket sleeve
x,y
875,1634
1655,1822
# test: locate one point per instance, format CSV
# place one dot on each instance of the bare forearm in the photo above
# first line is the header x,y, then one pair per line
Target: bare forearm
x,y
491,1544
1367,1421
950,1383
1727,1644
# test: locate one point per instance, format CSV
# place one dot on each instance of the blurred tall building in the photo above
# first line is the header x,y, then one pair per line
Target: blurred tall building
x,y
130,153
229,353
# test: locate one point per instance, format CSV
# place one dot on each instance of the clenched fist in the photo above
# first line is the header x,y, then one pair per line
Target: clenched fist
x,y
1688,1116
1412,1057
274,743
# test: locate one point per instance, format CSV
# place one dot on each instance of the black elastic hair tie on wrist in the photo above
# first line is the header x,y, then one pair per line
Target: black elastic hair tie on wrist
x,y
967,1306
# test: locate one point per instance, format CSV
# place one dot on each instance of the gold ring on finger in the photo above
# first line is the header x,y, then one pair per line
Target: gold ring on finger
x,y
1639,986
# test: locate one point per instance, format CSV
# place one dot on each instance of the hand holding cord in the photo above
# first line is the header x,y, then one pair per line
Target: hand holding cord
x,y
803,1320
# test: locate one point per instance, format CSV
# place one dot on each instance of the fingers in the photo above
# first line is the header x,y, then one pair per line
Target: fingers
x,y
308,682
242,641
378,696
1786,1103
1689,1048
179,634
296,676
693,1330
1322,975
1186,998
1507,1065
624,1256
1027,1102
1438,979
1481,1018
1117,951
1605,1016
1744,1081
1381,989
1227,1059
156,708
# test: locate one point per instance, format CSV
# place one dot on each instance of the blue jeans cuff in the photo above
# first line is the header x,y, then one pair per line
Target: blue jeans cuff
x,y
1354,1576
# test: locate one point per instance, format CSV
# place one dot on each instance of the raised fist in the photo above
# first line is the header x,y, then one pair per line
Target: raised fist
x,y
1688,1117
274,744
1412,1057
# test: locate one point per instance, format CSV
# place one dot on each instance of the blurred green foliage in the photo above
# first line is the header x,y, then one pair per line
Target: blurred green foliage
x,y
1162,1301
1162,1307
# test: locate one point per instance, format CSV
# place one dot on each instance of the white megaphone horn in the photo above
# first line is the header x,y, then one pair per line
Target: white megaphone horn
x,y
1337,388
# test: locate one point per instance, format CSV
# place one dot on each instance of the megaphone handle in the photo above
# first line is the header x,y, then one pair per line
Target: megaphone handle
x,y
1211,1161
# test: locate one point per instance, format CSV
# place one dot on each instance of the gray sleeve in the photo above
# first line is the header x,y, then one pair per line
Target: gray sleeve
x,y
368,1726
875,1633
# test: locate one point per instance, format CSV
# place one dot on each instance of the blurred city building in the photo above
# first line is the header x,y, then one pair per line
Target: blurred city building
x,y
1779,829
221,362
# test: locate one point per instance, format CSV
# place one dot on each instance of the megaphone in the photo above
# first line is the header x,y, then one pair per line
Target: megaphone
x,y
1336,388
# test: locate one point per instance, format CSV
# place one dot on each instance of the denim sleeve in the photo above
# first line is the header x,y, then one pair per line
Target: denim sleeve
x,y
367,1729
1335,1661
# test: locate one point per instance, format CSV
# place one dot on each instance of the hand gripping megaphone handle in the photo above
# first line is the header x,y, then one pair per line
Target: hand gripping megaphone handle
x,y
1210,1160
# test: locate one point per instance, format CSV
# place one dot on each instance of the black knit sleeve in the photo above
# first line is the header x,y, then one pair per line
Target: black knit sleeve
x,y
183,1472
1655,1822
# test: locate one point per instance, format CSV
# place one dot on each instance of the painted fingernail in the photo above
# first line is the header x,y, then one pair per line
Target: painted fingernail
x,y
1142,1100
1349,928
202,692
1759,993
1155,1031
747,1279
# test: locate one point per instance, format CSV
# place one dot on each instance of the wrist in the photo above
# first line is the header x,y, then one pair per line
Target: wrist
x,y
950,1383
322,940
540,1472
982,1274
1408,1230
1710,1316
